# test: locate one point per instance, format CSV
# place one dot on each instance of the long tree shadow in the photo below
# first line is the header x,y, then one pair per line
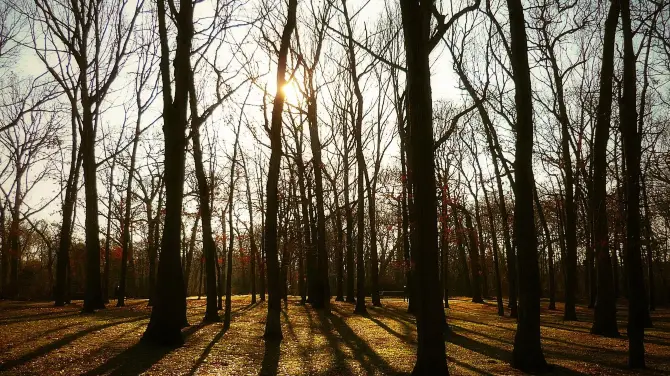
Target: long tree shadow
x,y
207,350
38,317
270,364
218,336
363,353
138,358
403,337
340,366
482,348
45,349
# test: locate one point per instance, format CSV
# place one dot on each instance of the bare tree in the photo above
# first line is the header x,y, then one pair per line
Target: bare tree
x,y
272,325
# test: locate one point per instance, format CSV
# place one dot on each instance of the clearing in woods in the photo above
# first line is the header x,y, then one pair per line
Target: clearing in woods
x,y
37,338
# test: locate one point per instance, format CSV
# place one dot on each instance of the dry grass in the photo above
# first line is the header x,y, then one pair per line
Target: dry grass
x,y
36,338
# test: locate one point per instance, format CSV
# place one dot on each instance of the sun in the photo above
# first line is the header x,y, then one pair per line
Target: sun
x,y
290,92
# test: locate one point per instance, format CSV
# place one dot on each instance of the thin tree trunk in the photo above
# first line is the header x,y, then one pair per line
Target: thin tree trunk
x,y
252,239
349,219
550,248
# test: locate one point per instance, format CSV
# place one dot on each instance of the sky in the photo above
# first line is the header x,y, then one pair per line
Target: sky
x,y
28,64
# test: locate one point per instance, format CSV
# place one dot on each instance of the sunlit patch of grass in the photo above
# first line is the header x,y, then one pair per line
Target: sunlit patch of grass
x,y
37,338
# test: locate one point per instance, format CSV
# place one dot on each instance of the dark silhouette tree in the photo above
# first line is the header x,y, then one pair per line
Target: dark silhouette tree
x,y
527,355
272,324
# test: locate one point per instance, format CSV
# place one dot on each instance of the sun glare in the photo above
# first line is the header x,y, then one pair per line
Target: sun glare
x,y
290,92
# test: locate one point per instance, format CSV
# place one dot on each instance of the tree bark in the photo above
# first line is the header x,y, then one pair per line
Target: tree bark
x,y
604,320
637,307
527,354
430,319
272,324
168,315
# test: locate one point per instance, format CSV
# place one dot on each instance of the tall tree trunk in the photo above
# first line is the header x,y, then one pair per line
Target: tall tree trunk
x,y
360,240
168,315
15,235
262,257
4,252
252,239
309,236
349,219
527,355
474,260
110,199
322,296
126,239
465,270
153,250
65,240
190,251
482,251
430,319
570,264
339,261
405,217
93,292
494,239
374,260
360,159
637,307
272,324
604,320
208,245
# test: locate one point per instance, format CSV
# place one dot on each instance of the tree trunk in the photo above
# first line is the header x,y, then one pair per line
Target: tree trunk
x,y
61,293
464,272
339,261
252,239
168,315
482,251
550,248
527,355
637,307
93,292
430,319
125,236
349,219
208,245
272,324
494,239
322,300
105,281
362,168
604,320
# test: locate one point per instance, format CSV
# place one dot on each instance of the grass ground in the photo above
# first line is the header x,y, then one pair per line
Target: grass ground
x,y
37,338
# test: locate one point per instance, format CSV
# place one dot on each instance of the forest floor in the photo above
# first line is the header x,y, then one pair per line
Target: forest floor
x,y
37,338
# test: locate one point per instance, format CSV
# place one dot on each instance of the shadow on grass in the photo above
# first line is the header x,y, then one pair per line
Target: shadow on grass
x,y
362,352
39,317
482,348
217,337
45,349
137,358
